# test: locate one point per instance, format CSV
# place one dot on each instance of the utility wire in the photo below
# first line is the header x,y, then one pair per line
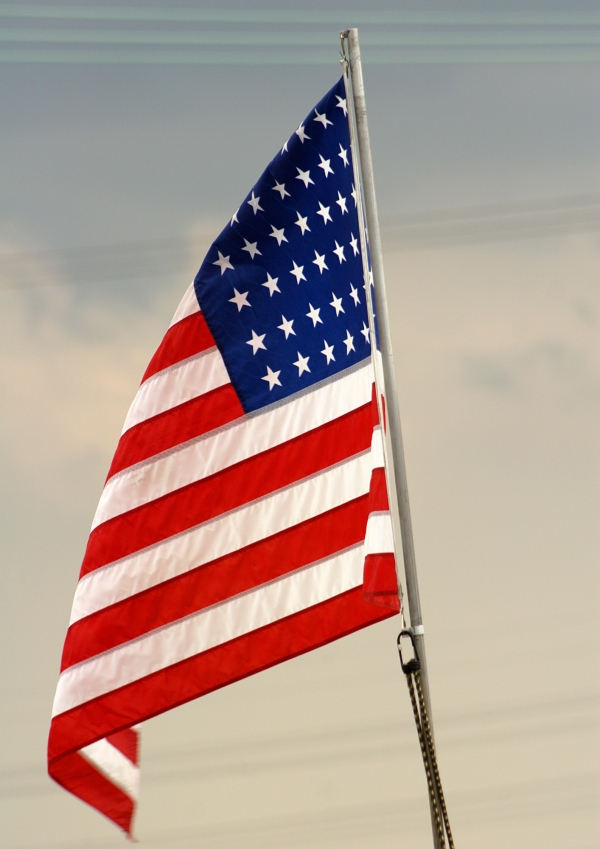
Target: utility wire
x,y
278,38
145,259
389,37
123,12
372,56
359,824
534,719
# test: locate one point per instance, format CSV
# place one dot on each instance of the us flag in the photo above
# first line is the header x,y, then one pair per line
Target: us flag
x,y
245,517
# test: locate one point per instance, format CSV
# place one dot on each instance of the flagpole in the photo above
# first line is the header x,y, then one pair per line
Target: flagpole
x,y
385,342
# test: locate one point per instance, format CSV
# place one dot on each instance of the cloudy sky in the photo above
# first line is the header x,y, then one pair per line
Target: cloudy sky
x,y
117,172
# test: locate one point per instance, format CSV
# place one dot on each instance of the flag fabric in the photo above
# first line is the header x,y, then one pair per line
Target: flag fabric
x,y
245,517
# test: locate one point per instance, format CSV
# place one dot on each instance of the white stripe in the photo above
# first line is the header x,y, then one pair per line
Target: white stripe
x,y
379,538
177,384
209,628
115,766
244,438
377,448
248,524
378,365
188,305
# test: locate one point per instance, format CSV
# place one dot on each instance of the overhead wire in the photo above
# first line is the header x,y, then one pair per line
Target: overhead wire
x,y
531,719
150,258
388,37
190,14
360,822
285,38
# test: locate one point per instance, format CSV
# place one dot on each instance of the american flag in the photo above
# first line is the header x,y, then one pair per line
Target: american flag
x,y
245,517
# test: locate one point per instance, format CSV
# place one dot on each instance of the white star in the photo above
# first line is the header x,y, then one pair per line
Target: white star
x,y
371,278
297,271
304,176
301,222
337,304
223,262
349,342
341,202
286,326
320,262
302,363
278,234
365,332
251,248
240,299
341,104
323,211
301,133
284,148
353,294
353,193
339,251
325,164
328,352
343,154
272,377
257,342
280,187
254,203
234,217
324,120
354,243
314,315
271,285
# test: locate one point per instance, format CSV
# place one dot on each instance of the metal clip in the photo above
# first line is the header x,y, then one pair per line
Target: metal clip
x,y
414,664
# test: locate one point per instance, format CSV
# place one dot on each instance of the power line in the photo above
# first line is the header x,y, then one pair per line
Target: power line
x,y
361,822
535,718
586,200
450,233
406,56
279,38
146,259
290,16
406,37
494,222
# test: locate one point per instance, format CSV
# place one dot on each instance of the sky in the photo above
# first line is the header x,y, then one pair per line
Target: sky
x,y
116,176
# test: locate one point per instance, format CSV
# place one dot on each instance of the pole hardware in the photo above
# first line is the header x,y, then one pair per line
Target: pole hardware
x,y
412,670
413,664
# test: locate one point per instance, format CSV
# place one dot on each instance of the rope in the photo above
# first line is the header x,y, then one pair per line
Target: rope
x,y
412,670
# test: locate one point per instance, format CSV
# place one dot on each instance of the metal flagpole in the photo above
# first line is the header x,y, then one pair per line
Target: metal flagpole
x,y
350,37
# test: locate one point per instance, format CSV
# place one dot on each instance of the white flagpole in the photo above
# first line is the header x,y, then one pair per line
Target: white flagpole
x,y
350,37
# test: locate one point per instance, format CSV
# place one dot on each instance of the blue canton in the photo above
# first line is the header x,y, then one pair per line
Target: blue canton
x,y
282,286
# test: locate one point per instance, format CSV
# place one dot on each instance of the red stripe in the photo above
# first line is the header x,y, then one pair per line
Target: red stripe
x,y
127,742
78,776
237,485
380,581
186,338
175,426
213,582
378,497
374,405
310,628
